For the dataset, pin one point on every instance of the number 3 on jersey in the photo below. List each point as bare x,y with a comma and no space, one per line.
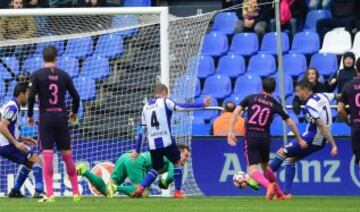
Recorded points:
54,93
154,120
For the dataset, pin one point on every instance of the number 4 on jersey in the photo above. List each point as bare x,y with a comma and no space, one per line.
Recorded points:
154,120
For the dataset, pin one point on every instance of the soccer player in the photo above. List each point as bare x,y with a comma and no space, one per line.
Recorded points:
261,109
351,96
51,85
155,118
135,170
318,113
17,148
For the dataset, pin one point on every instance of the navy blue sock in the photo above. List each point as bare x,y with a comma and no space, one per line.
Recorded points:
150,178
38,176
289,176
276,163
178,178
21,176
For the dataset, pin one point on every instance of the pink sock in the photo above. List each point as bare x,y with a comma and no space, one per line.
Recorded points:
269,174
259,178
71,171
48,172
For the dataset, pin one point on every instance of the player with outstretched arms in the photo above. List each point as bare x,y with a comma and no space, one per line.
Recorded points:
51,84
351,96
318,113
261,109
17,148
155,119
135,170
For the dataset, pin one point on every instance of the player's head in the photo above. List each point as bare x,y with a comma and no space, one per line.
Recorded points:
50,54
16,4
312,75
21,92
229,107
304,89
160,90
358,66
268,85
185,153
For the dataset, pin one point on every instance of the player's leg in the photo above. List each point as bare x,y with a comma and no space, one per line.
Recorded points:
63,143
278,160
94,180
173,154
118,177
355,144
37,169
136,174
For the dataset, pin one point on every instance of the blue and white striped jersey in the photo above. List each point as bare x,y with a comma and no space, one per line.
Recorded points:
317,107
10,111
156,117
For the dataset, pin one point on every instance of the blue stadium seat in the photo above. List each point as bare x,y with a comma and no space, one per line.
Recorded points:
312,18
231,65
59,45
206,114
86,88
125,21
96,67
11,63
294,64
276,127
69,64
110,45
80,47
137,3
244,44
2,88
247,84
32,64
340,129
234,98
206,66
182,88
215,44
218,86
325,63
289,100
197,87
225,22
197,120
288,84
306,43
269,43
262,64
201,129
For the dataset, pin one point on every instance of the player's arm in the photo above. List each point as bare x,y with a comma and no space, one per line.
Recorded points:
31,99
75,98
4,130
185,107
141,135
231,135
326,133
341,106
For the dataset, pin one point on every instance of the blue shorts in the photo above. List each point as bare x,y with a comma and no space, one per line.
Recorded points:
293,148
171,152
13,154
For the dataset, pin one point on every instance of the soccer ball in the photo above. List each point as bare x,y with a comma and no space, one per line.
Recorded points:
240,179
104,171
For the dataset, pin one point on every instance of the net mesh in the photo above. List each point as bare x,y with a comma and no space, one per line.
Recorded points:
114,62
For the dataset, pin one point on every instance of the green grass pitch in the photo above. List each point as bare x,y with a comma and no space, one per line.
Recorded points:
222,204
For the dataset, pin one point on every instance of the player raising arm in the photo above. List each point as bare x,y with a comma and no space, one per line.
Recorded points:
51,85
16,148
318,113
135,170
155,119
351,96
261,109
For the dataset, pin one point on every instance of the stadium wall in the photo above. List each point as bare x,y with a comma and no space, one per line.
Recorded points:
214,163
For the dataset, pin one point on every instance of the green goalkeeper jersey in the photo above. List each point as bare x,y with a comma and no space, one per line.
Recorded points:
137,169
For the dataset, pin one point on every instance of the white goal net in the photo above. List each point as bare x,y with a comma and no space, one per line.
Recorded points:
114,60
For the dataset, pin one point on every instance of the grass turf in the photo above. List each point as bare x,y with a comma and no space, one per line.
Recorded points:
302,204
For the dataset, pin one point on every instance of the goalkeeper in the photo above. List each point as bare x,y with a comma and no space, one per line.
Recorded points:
135,170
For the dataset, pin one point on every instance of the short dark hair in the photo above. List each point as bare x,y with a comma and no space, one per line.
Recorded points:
269,85
20,88
182,147
229,106
158,88
305,84
358,65
50,54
